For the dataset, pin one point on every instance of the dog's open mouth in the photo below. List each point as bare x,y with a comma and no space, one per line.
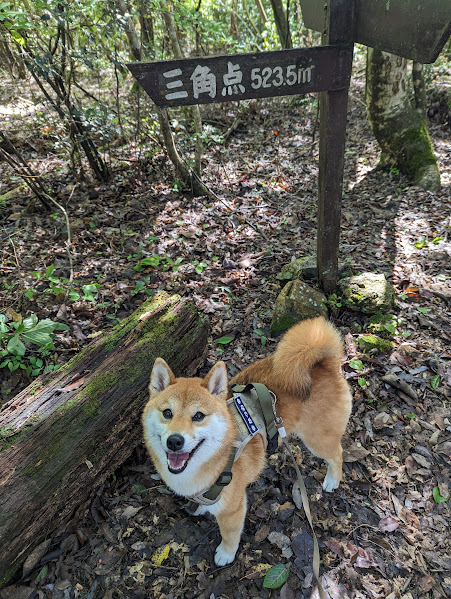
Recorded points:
177,462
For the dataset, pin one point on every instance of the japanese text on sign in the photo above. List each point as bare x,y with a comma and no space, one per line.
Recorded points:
204,81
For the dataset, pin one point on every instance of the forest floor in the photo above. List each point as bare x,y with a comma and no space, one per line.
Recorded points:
384,532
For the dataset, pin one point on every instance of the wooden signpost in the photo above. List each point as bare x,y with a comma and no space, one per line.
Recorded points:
325,69
243,76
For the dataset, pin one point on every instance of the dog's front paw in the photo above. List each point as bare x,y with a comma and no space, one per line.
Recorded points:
194,509
223,557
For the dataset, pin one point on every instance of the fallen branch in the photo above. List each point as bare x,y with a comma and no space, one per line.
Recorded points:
398,383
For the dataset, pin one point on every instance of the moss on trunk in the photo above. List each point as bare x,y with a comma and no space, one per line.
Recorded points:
398,127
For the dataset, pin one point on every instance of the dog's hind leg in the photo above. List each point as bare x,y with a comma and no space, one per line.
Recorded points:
331,452
333,474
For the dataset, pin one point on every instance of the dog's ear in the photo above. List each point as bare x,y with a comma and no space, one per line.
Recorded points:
216,381
161,377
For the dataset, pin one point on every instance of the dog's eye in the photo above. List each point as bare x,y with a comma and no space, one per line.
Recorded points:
167,414
198,417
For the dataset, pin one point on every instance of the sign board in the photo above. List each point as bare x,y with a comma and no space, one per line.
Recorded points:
416,29
242,76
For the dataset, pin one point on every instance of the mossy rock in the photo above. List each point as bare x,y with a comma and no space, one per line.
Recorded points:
380,325
369,342
301,268
368,292
297,301
379,330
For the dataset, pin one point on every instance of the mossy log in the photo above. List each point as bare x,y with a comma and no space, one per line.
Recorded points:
65,433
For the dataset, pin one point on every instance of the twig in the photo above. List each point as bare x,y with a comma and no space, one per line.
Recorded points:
17,261
21,166
68,241
236,123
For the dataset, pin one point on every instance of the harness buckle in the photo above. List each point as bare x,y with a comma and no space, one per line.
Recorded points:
226,474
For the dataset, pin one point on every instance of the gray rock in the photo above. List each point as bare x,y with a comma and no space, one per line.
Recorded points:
369,292
297,301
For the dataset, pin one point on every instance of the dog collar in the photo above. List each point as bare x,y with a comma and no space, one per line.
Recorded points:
252,407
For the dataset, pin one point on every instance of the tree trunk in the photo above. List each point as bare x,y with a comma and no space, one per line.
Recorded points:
133,40
283,27
398,127
63,435
182,172
195,110
261,10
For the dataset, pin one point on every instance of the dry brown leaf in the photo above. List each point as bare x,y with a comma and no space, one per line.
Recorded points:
35,557
72,386
419,459
388,524
15,317
382,420
257,571
426,583
262,533
355,453
334,545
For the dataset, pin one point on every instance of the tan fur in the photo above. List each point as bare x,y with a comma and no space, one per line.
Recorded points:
312,398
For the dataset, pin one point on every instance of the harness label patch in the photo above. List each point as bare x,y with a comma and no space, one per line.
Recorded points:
241,407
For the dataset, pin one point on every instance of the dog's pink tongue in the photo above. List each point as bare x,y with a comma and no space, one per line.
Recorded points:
176,460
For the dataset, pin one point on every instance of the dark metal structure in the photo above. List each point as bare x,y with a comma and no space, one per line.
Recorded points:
416,29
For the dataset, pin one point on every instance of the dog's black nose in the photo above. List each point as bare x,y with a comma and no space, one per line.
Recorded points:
175,442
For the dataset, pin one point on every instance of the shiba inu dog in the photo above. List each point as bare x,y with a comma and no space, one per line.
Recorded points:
190,432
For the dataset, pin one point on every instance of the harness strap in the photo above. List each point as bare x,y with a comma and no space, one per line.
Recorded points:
266,400
223,480
247,429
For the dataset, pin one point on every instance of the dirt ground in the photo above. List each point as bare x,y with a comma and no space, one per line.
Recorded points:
385,531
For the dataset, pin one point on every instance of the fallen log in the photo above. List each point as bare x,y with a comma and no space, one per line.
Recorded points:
66,432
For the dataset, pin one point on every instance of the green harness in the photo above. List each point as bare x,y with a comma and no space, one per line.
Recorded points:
252,407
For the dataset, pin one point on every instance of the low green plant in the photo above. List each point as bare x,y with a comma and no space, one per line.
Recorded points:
163,262
334,302
59,285
384,325
17,336
435,381
262,336
420,244
199,266
223,341
276,576
356,364
141,286
438,498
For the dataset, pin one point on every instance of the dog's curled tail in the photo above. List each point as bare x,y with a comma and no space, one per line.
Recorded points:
308,344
